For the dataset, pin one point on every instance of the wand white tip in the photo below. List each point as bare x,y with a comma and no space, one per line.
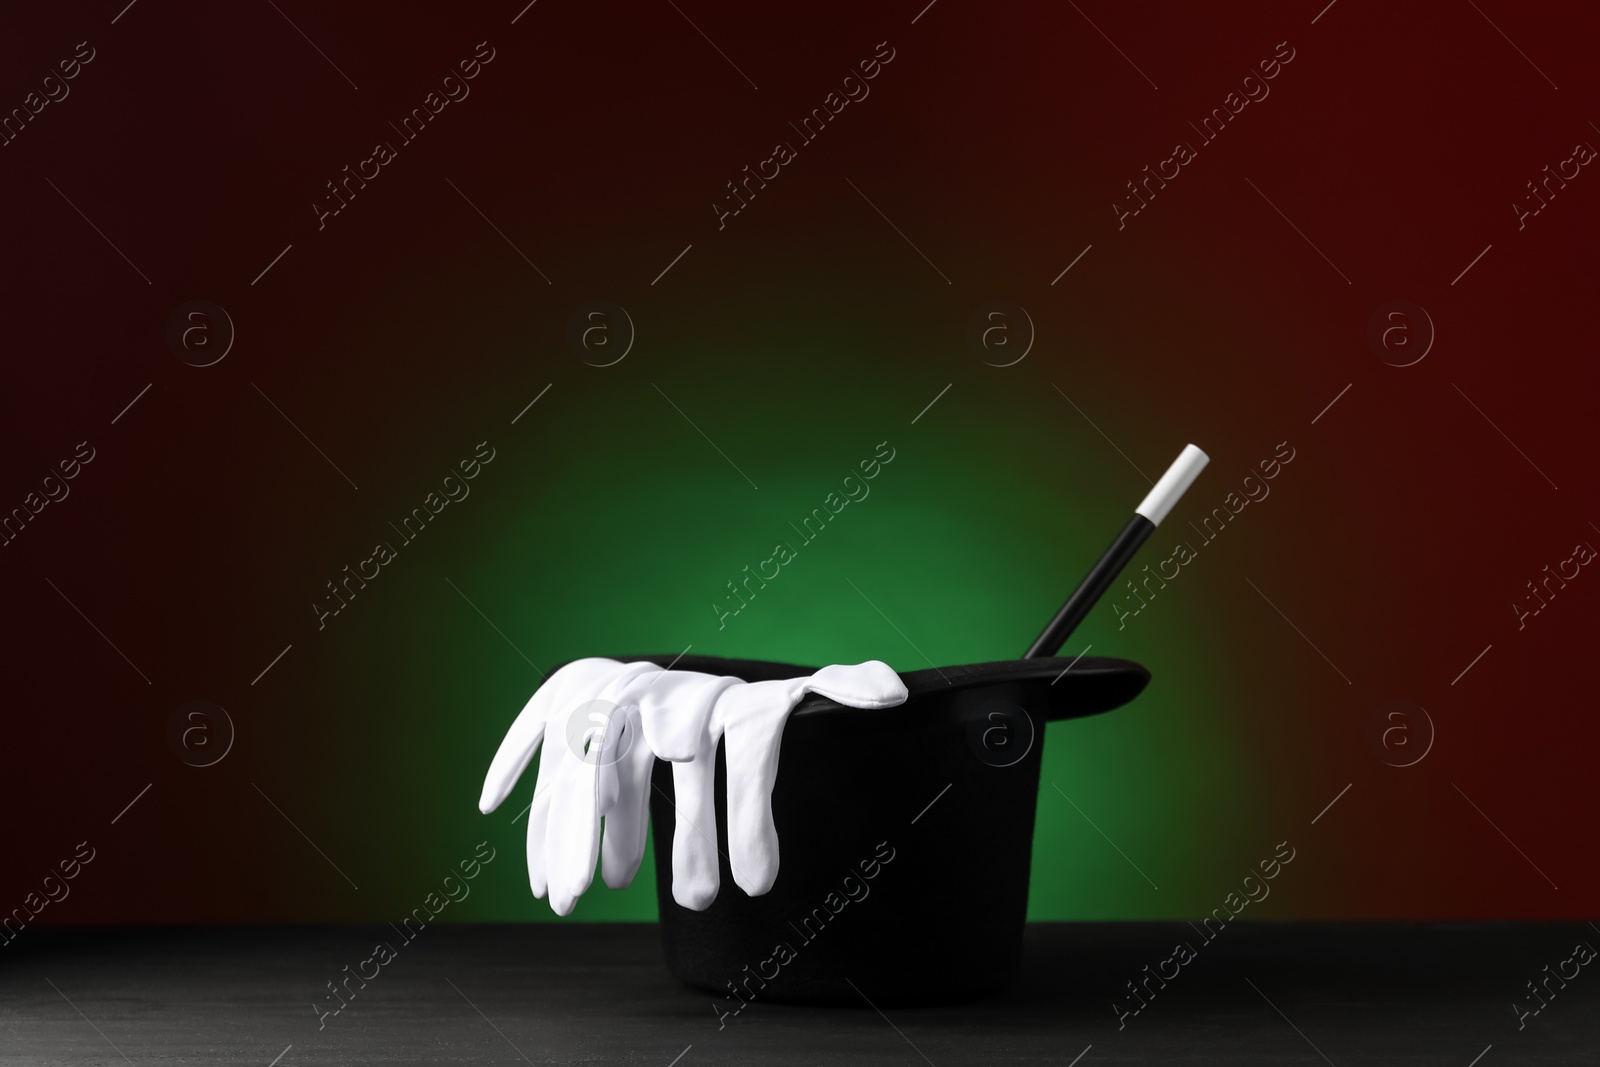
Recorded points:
1173,484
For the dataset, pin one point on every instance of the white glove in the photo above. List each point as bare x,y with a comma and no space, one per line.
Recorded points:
608,720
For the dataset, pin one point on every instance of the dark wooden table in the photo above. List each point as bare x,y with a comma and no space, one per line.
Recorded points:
567,994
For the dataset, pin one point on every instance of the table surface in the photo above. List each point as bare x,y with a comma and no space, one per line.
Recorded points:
1331,993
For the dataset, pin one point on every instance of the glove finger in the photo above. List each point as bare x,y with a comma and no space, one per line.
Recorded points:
572,842
550,760
538,823
872,684
627,822
694,838
753,717
606,738
516,751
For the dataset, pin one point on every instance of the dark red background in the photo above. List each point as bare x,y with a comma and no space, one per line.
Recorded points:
1397,141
